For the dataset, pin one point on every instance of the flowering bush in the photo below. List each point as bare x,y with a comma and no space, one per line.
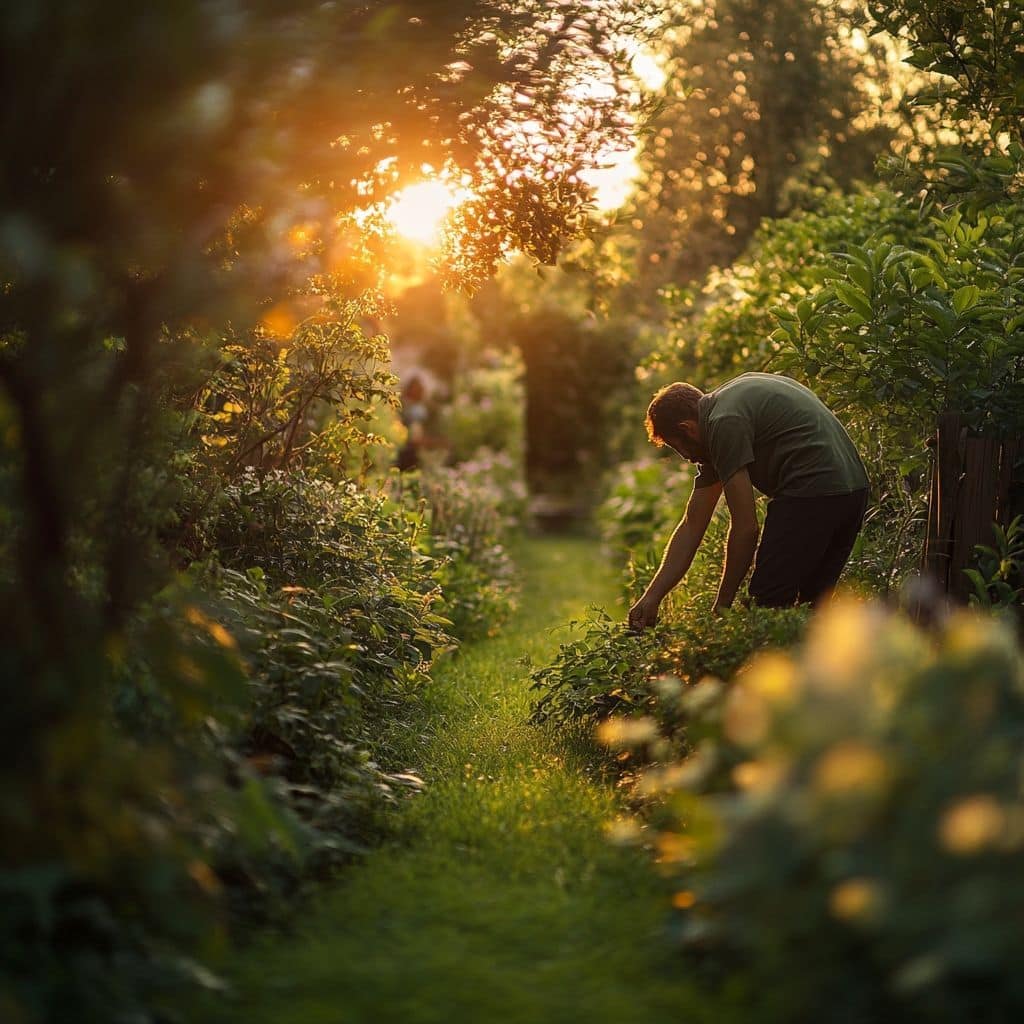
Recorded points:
851,821
467,514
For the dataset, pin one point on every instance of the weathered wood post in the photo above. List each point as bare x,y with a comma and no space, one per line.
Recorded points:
974,484
938,546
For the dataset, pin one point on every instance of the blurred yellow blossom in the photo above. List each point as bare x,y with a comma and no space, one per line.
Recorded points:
840,644
687,774
856,899
747,715
972,824
761,776
851,766
627,732
773,676
674,848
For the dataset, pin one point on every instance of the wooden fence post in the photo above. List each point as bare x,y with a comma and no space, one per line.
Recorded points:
975,510
972,487
946,472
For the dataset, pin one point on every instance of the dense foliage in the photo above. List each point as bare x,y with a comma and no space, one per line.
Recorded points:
469,513
610,669
645,499
216,627
848,828
209,634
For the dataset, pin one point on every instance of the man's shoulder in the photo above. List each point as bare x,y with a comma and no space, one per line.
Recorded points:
754,381
739,395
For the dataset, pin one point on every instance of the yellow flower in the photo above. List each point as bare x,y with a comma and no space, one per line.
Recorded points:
856,899
851,766
972,824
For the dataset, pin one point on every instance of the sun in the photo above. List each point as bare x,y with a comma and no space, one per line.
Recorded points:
417,213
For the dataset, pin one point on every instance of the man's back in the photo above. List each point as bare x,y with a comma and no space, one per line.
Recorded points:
790,442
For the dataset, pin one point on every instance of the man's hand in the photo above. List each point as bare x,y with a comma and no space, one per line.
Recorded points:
644,613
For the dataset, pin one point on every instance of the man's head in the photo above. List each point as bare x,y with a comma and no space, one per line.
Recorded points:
672,420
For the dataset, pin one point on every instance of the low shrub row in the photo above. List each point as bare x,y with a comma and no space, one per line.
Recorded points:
609,669
261,717
467,515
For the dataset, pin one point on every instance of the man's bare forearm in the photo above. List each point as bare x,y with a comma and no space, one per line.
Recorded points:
676,560
739,553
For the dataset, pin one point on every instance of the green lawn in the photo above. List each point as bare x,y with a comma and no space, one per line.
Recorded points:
501,900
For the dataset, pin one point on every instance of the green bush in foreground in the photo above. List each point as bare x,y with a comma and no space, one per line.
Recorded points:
851,827
611,669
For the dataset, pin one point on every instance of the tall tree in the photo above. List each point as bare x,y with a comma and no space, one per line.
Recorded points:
758,95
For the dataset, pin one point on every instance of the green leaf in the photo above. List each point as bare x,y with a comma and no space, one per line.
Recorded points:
854,298
861,277
783,314
966,297
980,586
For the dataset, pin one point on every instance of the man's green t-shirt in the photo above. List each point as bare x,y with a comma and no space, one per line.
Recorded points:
792,445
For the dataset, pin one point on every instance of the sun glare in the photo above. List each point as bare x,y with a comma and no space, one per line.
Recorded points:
417,213
614,182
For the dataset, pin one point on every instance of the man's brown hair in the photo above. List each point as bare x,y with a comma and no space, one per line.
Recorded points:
669,407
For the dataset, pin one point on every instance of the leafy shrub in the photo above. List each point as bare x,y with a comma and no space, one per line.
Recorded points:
611,669
249,740
646,498
106,909
997,578
333,604
851,823
486,411
469,512
304,530
295,387
726,326
328,668
904,332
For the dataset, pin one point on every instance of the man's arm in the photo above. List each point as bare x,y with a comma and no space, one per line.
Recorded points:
678,554
743,533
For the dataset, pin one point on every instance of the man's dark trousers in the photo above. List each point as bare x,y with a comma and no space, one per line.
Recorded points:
804,546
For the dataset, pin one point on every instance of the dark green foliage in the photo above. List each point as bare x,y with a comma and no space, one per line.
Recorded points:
726,327
576,378
903,332
997,578
611,669
327,665
972,53
856,842
469,514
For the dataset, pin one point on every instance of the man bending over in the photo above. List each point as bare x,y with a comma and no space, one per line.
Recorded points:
766,431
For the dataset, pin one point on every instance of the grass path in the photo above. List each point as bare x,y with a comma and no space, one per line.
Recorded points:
500,901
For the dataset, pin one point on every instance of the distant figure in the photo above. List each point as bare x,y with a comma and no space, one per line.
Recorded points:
414,417
766,431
